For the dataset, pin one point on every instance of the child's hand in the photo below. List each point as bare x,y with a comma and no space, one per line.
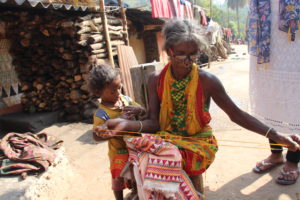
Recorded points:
131,111
102,133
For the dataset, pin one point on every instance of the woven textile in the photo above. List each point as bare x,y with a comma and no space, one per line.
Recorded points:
158,172
275,92
9,82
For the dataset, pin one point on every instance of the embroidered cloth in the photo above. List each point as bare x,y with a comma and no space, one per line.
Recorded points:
157,166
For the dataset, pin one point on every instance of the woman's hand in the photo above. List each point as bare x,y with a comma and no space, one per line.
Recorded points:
292,141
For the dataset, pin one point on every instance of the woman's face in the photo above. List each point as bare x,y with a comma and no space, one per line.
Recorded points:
182,56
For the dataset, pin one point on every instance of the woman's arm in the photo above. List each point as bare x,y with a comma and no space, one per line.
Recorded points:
215,89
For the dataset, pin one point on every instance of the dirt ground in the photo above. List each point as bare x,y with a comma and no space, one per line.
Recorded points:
229,177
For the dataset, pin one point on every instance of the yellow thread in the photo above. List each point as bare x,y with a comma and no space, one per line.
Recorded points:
193,138
299,29
289,35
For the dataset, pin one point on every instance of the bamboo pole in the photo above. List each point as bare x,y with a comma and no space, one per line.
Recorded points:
106,33
124,22
210,8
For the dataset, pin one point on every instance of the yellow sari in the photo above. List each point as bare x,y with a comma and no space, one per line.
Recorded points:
184,119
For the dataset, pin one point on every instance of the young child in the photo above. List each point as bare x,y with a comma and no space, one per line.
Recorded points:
105,82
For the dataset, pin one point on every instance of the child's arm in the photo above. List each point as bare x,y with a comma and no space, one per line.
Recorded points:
99,125
100,135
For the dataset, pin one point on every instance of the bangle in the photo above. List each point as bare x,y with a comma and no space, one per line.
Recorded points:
141,126
268,132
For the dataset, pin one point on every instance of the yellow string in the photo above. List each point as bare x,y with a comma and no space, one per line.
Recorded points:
299,29
289,36
182,137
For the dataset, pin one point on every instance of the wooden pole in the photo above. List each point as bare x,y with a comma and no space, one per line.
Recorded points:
210,8
227,16
106,33
124,22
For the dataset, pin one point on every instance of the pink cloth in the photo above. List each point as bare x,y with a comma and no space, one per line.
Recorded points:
161,9
188,10
180,9
203,19
174,8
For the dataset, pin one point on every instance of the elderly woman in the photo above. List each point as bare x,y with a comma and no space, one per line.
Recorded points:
179,99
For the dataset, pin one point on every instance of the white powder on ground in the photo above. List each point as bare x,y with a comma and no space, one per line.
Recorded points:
54,183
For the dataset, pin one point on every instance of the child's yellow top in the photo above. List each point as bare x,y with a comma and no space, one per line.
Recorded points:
104,113
117,151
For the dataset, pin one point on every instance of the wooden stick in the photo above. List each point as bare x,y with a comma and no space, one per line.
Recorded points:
106,33
124,22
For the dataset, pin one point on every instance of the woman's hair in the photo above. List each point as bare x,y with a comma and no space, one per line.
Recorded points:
101,76
178,30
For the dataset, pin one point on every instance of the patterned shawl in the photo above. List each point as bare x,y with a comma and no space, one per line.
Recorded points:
157,169
259,25
289,14
259,30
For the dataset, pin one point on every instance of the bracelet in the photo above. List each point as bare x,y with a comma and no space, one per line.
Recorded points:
268,132
141,126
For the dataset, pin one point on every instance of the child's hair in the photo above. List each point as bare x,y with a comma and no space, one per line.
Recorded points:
101,76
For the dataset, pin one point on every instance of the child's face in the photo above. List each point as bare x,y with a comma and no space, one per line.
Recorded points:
113,91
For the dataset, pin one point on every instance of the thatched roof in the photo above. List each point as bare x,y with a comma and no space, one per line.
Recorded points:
142,17
75,5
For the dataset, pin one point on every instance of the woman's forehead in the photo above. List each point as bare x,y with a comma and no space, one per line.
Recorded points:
186,47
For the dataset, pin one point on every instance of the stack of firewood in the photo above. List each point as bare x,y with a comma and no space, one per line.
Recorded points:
91,34
53,52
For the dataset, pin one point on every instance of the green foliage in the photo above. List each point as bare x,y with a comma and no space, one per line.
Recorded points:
233,4
234,27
